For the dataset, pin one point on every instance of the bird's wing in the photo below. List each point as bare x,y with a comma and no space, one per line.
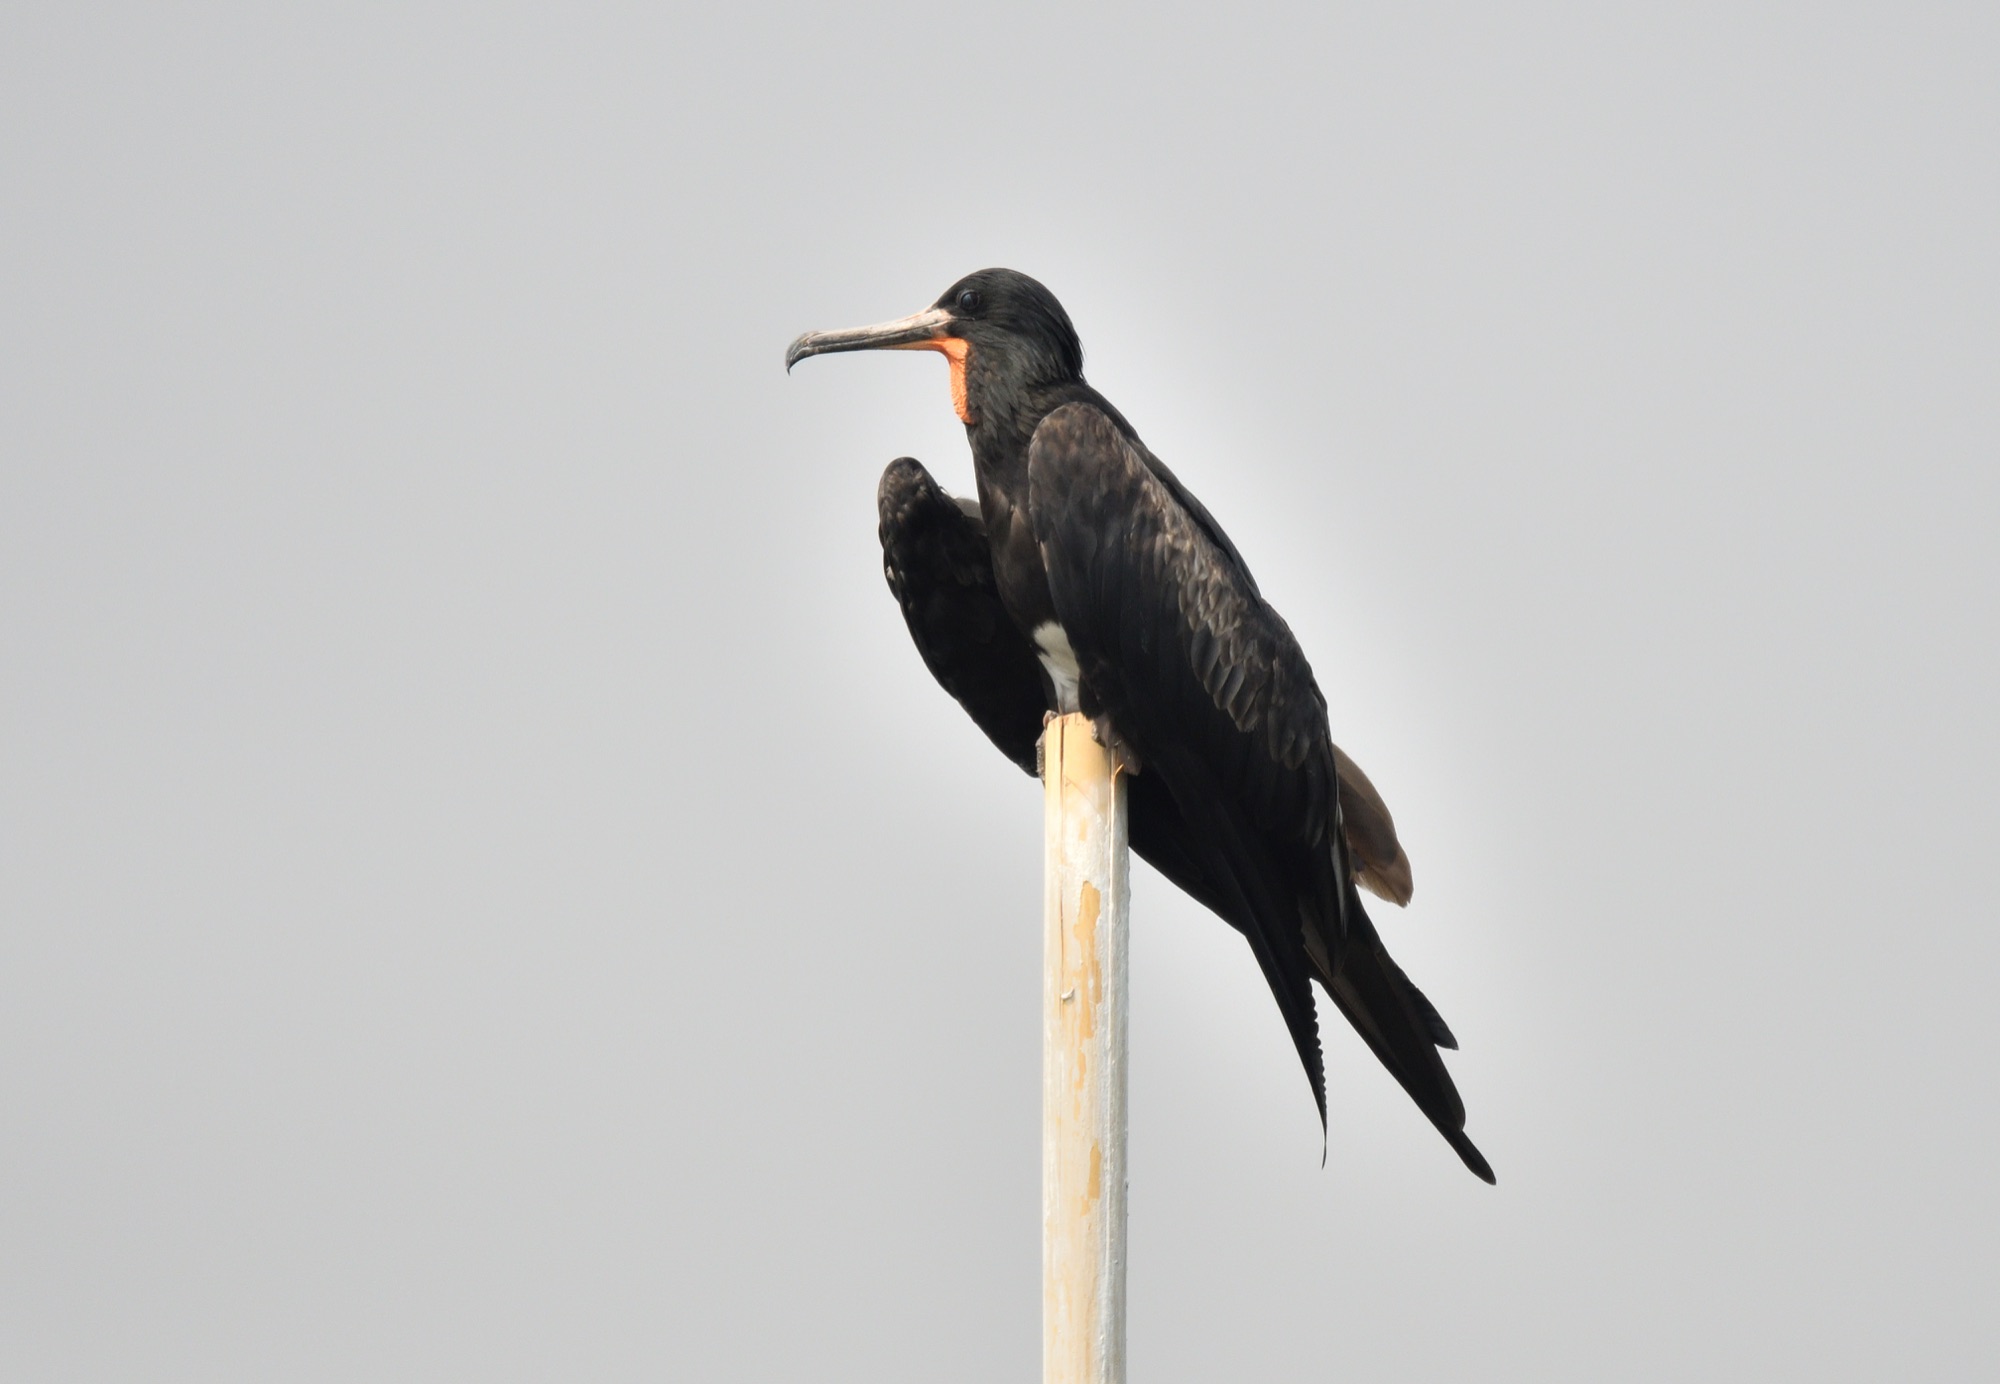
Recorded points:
937,560
939,566
1377,858
1207,684
1183,638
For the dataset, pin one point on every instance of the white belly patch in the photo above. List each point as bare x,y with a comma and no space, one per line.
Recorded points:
1060,661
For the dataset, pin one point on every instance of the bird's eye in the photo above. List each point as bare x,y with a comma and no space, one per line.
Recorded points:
969,300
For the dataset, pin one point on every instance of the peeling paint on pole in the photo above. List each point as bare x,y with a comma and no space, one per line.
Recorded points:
1083,1059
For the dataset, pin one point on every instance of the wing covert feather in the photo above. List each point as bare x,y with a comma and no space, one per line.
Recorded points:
1179,641
1206,684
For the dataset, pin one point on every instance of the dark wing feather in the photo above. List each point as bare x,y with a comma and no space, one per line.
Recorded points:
1272,823
1207,685
940,568
1176,645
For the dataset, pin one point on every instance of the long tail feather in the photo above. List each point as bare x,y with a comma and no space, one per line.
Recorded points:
1403,1029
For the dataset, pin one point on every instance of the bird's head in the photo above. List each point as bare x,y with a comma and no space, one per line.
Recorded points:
1003,333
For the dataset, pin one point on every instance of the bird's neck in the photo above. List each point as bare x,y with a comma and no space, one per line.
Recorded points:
1005,415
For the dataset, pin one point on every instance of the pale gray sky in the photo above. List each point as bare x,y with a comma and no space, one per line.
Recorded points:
487,891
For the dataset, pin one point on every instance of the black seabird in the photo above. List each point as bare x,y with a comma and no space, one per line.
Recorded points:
1086,578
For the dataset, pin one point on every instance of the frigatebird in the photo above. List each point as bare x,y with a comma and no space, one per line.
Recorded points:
1086,577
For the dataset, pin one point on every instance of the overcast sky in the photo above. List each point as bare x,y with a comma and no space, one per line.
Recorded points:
488,892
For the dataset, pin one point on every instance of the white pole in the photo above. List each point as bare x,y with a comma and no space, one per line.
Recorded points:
1084,986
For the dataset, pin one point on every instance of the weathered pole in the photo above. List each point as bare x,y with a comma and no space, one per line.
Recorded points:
1084,982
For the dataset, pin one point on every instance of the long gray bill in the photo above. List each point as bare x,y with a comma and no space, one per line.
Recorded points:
904,332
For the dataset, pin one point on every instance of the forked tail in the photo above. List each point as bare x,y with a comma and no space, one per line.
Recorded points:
1404,1029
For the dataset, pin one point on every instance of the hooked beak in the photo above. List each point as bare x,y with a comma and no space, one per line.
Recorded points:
916,332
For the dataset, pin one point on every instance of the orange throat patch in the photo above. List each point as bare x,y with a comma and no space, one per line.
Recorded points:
954,349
